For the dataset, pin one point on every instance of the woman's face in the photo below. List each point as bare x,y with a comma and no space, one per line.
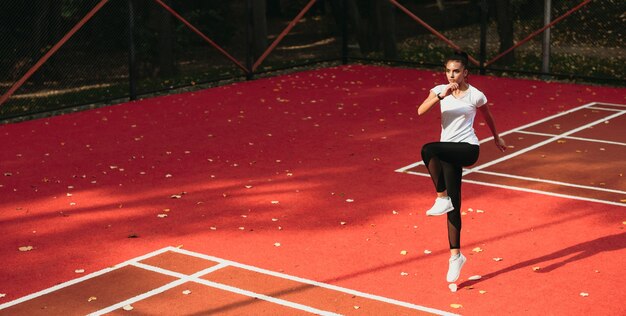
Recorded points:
455,72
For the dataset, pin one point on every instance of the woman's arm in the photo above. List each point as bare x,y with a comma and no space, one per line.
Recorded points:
430,101
484,110
432,98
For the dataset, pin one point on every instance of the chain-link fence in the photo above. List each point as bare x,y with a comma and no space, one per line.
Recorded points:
130,48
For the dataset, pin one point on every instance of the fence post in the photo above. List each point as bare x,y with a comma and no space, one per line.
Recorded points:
344,32
132,61
249,41
545,44
484,19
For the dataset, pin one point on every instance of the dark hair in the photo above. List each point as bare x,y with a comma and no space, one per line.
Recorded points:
459,56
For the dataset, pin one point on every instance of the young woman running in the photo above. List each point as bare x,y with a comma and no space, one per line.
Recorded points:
457,148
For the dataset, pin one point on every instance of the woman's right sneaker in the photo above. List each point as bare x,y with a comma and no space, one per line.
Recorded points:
442,206
455,264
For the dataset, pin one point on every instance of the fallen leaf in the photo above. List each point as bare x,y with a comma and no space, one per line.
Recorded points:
453,287
127,308
356,307
79,271
474,277
427,251
477,249
403,252
394,212
277,244
91,299
349,200
2,295
584,294
162,215
186,292
275,202
482,291
497,259
456,305
343,223
403,274
26,248
536,268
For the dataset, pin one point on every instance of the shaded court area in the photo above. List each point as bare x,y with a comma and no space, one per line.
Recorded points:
296,174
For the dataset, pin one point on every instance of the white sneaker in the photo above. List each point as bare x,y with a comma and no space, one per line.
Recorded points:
454,267
442,205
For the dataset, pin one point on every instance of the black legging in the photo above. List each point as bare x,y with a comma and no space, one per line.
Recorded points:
445,162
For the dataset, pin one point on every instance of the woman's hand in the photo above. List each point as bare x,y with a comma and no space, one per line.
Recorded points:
500,143
449,89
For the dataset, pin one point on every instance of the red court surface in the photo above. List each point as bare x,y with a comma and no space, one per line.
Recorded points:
295,176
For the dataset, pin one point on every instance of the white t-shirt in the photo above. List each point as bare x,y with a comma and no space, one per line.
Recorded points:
457,115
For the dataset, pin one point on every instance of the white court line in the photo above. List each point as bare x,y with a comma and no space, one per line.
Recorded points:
611,104
183,278
575,138
315,283
584,106
81,279
565,184
502,186
542,143
603,109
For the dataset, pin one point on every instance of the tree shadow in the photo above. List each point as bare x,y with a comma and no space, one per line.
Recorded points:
580,251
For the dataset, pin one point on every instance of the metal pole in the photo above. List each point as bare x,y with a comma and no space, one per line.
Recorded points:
344,32
249,41
545,44
132,63
484,18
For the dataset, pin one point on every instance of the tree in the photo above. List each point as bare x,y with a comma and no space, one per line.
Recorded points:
504,21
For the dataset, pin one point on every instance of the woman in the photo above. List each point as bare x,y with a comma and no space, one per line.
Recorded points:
457,148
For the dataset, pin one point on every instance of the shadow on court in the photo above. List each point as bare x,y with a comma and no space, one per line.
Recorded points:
580,251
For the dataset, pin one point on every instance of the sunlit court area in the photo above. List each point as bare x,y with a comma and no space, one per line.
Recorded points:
166,157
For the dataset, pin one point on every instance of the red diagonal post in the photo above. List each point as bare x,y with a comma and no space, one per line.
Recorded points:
52,51
283,34
431,29
539,31
204,37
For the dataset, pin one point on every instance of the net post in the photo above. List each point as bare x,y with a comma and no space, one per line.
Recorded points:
545,43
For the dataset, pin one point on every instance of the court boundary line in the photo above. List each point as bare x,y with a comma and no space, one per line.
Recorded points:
552,138
565,184
315,283
221,263
591,140
511,131
81,279
509,187
184,278
544,142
